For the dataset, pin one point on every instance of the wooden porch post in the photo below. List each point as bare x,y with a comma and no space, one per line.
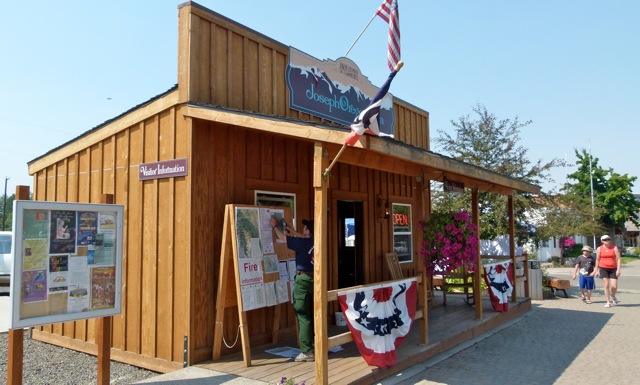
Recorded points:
427,280
320,305
477,275
103,331
512,247
16,336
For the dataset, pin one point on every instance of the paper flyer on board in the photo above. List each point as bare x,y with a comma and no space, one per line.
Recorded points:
34,286
62,232
58,273
248,233
270,263
79,282
283,271
266,228
34,254
253,297
103,280
282,291
270,293
104,249
87,227
291,265
107,222
36,223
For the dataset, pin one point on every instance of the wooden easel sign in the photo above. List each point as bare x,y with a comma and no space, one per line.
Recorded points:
254,265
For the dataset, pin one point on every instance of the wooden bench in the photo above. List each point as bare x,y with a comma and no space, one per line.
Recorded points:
556,284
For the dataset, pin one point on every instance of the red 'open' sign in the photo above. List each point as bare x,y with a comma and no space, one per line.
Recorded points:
400,219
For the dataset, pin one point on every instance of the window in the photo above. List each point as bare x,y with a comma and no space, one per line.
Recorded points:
5,243
277,199
402,232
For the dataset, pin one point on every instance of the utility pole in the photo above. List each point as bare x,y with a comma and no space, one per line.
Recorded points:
4,206
592,204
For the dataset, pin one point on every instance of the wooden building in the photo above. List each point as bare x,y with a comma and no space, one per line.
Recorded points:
229,117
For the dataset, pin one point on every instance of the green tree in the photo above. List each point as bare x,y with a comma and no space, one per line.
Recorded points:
8,216
566,215
611,191
493,144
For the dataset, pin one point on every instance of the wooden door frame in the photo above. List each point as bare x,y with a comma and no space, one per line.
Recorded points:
334,197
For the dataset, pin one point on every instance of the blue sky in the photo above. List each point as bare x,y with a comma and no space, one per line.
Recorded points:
572,67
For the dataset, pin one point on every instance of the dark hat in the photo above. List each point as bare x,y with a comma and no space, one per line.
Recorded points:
309,224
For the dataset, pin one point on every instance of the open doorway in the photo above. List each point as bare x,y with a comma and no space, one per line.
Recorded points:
350,243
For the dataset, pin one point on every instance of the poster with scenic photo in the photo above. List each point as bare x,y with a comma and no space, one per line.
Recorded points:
248,233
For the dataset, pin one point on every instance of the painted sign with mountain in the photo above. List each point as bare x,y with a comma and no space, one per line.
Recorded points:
333,90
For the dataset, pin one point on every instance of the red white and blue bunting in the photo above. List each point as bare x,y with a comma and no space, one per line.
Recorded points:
498,279
380,318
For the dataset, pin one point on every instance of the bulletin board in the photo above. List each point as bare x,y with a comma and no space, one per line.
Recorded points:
67,262
256,267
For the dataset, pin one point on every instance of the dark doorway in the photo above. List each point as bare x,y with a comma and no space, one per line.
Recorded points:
350,243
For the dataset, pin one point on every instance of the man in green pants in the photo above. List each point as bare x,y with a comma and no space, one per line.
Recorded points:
302,244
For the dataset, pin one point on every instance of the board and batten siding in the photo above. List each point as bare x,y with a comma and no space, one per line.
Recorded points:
229,164
225,64
156,256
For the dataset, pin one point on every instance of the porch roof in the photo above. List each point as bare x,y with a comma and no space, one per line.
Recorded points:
383,153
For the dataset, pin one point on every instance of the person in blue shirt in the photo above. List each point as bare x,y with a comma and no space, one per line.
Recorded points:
302,245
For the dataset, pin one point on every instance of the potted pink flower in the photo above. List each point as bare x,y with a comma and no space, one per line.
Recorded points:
450,241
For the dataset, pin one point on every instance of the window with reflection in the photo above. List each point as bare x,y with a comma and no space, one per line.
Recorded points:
402,232
277,199
349,232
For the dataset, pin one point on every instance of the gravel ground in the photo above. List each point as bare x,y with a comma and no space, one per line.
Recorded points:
49,364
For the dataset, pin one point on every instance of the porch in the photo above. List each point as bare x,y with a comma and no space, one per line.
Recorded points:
449,326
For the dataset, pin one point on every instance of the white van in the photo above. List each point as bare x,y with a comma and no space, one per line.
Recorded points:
6,257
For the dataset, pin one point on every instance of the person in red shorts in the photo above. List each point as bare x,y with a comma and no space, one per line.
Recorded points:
608,266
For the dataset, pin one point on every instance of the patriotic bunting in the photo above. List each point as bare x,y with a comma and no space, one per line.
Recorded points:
498,279
380,318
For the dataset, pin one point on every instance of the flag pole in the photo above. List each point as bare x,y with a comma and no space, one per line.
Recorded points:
327,172
359,36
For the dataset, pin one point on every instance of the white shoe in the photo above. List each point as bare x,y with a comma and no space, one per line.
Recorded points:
305,357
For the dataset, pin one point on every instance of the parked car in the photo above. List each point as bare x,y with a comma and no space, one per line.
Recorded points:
6,258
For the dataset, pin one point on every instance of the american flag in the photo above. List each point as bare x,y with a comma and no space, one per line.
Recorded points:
388,11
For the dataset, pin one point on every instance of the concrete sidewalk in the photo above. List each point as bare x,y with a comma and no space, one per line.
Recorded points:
197,376
560,341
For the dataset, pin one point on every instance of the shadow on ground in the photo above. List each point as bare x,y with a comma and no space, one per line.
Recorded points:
541,346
